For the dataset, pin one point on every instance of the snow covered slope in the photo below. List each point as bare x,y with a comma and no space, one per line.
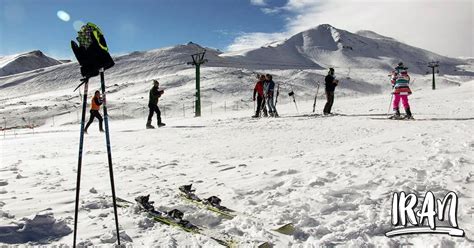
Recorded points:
18,63
333,177
362,65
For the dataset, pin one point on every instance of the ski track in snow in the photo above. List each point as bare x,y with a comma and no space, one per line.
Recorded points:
332,177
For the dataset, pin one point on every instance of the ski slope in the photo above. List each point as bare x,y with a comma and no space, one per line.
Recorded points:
331,176
362,62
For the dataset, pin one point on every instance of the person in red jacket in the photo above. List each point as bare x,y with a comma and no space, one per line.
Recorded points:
95,106
260,98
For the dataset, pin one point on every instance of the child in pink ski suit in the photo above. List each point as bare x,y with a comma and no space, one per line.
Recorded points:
400,84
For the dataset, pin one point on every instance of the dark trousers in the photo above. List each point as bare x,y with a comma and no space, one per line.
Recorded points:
94,114
260,105
154,109
329,102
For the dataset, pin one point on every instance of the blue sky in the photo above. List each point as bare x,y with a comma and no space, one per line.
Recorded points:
444,27
131,25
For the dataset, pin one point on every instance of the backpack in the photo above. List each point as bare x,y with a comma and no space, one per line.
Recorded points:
92,52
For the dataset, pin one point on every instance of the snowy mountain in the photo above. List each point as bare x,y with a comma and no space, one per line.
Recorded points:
326,46
297,64
25,62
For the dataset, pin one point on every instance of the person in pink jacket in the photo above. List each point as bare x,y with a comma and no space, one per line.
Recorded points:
401,90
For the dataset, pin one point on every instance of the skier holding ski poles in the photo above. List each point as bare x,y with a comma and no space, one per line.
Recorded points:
155,94
401,90
331,83
269,88
260,98
95,106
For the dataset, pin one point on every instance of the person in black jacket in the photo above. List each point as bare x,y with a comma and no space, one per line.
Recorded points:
155,93
331,83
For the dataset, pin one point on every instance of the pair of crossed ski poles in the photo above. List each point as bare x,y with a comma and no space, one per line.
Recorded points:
85,82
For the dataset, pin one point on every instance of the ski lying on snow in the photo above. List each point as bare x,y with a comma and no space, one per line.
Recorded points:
395,119
212,203
175,219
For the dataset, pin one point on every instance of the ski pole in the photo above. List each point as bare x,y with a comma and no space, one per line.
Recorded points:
296,105
390,104
109,152
253,106
79,163
292,94
278,93
315,98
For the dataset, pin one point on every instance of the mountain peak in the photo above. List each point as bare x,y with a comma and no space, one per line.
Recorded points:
372,35
35,53
323,26
23,62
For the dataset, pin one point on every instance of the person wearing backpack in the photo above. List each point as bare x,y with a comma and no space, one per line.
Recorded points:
155,93
95,107
331,83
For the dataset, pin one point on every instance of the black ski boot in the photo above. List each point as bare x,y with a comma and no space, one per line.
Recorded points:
214,201
176,214
257,115
396,115
408,116
161,124
187,188
145,202
148,125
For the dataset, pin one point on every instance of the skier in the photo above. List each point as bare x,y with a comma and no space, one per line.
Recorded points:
269,88
331,83
260,98
401,89
155,93
95,106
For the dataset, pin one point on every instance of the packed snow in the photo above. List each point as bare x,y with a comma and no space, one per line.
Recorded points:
332,177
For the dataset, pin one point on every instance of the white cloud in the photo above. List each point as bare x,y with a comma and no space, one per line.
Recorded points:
252,40
271,11
440,26
258,2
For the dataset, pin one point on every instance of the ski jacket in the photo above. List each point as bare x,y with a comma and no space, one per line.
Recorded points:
401,81
330,85
269,88
258,89
95,103
155,93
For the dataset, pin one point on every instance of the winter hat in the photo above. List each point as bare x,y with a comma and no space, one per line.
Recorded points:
331,71
401,66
